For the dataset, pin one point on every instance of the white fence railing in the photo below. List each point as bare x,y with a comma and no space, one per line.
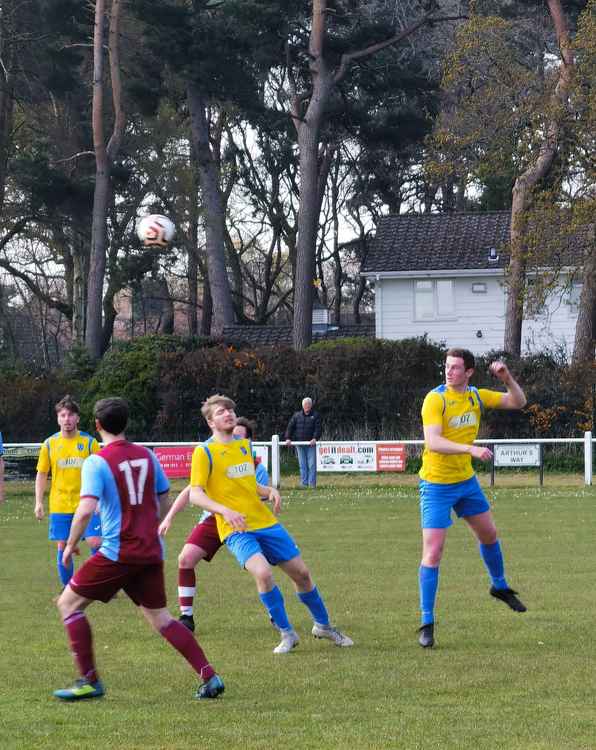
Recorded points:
31,450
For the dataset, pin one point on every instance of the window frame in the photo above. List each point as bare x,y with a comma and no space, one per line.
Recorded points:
435,299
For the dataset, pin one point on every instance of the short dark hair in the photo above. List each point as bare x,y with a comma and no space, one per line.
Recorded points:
67,402
465,354
248,425
112,414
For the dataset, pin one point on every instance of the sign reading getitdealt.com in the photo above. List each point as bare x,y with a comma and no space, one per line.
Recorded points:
360,457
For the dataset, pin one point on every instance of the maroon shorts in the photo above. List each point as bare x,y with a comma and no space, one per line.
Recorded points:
100,579
205,536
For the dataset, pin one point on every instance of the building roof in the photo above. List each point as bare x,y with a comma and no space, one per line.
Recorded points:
425,242
282,335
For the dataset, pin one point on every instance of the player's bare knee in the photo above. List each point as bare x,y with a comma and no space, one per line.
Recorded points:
185,560
303,580
65,608
264,579
431,556
157,618
489,536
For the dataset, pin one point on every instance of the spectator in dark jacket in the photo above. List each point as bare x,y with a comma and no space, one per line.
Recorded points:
305,426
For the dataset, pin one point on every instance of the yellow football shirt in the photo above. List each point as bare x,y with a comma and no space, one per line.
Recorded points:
459,416
63,458
226,471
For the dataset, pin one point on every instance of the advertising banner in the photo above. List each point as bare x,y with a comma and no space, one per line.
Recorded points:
391,457
175,460
346,457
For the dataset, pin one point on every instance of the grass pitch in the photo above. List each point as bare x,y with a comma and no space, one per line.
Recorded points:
496,679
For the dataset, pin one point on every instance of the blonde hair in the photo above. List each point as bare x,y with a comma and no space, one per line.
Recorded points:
213,401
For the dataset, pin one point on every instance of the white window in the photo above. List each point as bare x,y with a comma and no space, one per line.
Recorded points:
434,299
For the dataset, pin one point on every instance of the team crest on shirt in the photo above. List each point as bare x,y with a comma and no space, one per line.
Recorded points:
240,470
468,419
244,451
80,447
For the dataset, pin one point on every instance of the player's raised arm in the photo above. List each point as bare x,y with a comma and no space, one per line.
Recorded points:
515,398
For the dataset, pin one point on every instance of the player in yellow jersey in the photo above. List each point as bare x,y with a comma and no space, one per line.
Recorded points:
223,482
62,456
451,419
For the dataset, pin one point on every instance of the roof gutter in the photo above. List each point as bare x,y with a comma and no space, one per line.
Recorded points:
425,274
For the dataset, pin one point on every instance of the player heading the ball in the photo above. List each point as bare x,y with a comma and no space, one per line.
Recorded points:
451,419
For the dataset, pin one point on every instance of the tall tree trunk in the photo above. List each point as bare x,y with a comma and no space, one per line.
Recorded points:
192,275
79,288
308,122
308,129
104,156
7,34
585,334
207,315
526,183
223,310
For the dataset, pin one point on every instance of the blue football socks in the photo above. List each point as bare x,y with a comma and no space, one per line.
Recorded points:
493,559
273,602
65,574
314,602
428,579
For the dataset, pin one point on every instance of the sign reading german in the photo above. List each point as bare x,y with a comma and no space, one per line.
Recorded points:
175,460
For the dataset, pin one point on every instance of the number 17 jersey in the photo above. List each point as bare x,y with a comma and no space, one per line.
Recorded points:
126,479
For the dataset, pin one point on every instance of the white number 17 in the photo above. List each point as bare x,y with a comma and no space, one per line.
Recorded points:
135,494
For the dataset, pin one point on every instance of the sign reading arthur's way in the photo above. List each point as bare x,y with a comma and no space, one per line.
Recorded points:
517,454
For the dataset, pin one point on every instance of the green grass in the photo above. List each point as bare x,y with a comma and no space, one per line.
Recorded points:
497,680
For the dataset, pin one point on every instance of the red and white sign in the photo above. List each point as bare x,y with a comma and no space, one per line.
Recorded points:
391,457
175,460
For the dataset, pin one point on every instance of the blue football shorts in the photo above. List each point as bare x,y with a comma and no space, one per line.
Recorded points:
274,543
60,524
436,501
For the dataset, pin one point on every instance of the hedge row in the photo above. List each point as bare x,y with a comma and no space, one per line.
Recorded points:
362,388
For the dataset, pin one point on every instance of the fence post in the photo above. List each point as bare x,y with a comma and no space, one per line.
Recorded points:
587,458
275,474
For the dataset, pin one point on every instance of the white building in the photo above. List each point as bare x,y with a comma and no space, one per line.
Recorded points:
444,275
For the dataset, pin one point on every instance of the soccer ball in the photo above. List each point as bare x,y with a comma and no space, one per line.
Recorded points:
155,229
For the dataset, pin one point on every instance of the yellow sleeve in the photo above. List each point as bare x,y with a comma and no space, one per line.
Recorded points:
490,399
95,446
200,467
432,409
43,462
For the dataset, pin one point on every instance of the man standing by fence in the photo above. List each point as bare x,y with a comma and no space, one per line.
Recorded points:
451,419
305,426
